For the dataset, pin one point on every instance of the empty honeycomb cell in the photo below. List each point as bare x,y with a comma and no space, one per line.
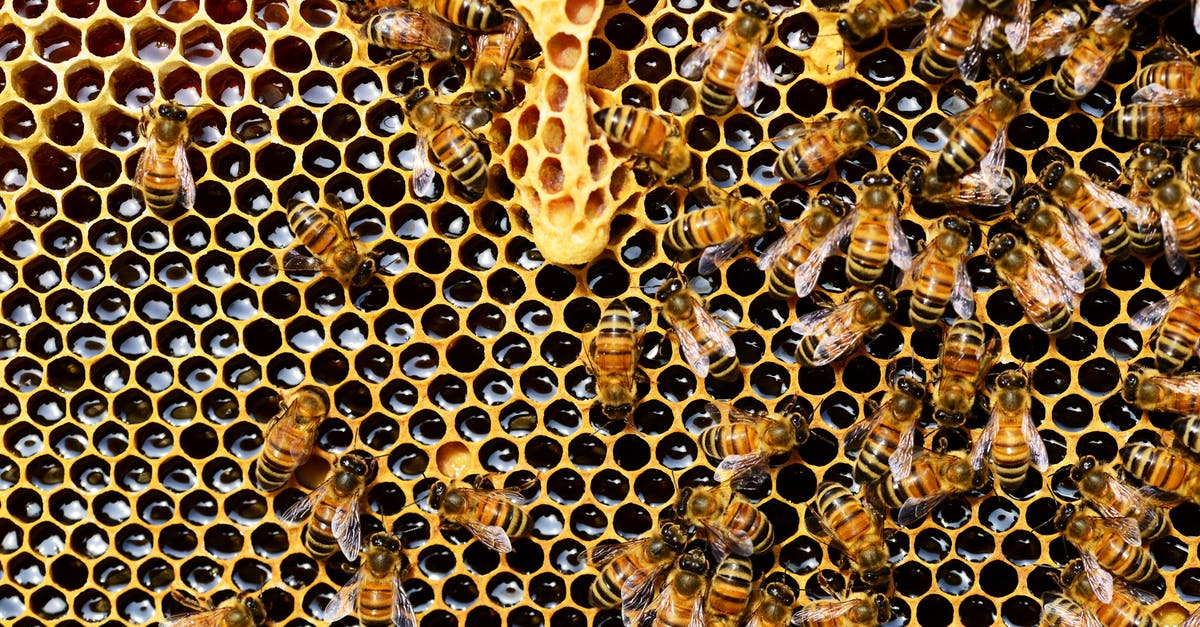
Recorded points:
132,85
247,47
35,83
291,54
271,89
152,41
58,42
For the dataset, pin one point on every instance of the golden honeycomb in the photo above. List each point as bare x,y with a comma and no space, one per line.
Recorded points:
142,356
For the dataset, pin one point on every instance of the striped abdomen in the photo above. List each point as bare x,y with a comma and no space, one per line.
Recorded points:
729,590
1157,467
810,157
458,153
636,129
1124,560
1177,338
1151,122
741,515
782,281
318,537
877,450
1010,453
699,229
472,14
375,600
739,438
844,514
500,513
400,29
720,365
1124,610
867,254
313,228
282,453
1187,229
921,482
967,144
1085,66
1108,223
946,44
931,292
720,77
614,347
160,185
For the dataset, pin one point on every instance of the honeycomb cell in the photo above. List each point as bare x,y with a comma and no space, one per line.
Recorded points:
247,47
58,42
35,83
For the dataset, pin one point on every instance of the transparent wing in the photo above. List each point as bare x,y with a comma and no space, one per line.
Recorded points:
346,600
823,612
1037,448
1126,528
712,329
898,248
1017,29
1067,612
345,526
736,465
697,612
143,166
840,338
1101,580
1109,197
695,62
857,433
715,256
1077,233
301,509
796,132
1136,596
491,536
725,540
187,185
963,296
971,62
915,510
983,446
1067,270
1193,619
754,71
490,495
209,618
422,174
1151,315
693,354
814,322
637,592
403,614
900,463
296,261
1182,384
794,236
805,278
734,413
605,553
950,8
1042,289
1175,259
1155,94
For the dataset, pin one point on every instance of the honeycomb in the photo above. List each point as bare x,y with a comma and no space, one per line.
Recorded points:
144,356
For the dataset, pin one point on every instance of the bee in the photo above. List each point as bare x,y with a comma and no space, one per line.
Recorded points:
681,602
629,572
772,606
1145,234
748,439
469,14
290,436
1102,209
856,531
965,358
1112,498
335,250
1178,322
934,478
1179,212
444,129
1128,607
1064,239
243,611
1163,469
991,185
1175,81
492,516
1047,301
494,70
1156,115
1187,432
939,275
730,523
729,592
706,347
419,35
1088,62
733,61
1062,611
886,440
795,260
1178,394
948,43
870,17
1054,33
875,233
376,592
163,175
819,146
831,332
657,142
859,611
1010,437
980,131
1108,547
721,230
613,357
334,507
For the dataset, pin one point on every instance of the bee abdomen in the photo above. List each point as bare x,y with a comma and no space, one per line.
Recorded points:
319,542
375,605
729,592
717,88
472,14
964,149
160,189
868,254
807,158
1175,345
725,440
873,459
931,295
722,366
459,154
271,475
697,230
313,229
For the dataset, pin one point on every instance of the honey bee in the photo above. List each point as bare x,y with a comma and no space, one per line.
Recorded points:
335,250
1064,239
1010,437
820,145
795,260
729,590
1178,394
1088,62
1168,82
948,43
729,522
733,61
938,276
1179,212
681,602
492,516
856,531
334,507
875,233
376,592
1128,607
870,17
415,34
1107,546
1156,115
470,14
980,131
831,332
1054,33
990,185
494,70
1102,209
444,129
933,479
630,571
748,439
243,611
1163,469
1178,322
965,359
613,357
1114,499
721,230
657,142
1047,301
163,175
1062,611
706,347
289,437
886,439
1187,433
858,611
1145,234
772,606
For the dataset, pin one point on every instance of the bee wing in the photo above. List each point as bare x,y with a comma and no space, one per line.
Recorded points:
1136,595
605,553
857,433
797,132
716,255
143,166
736,465
1043,287
300,510
403,614
1193,619
1068,613
1183,384
1037,447
900,463
898,249
1017,29
814,321
754,71
1160,95
1109,197
695,62
711,328
916,509
1125,527
950,8
695,356
296,261
636,593
207,618
983,446
794,235
1064,267
422,173
1100,580
345,526
737,414
698,611
823,612
808,271
491,536
963,296
1078,234
725,540
838,329
346,599
1175,259
971,62
187,185
1151,315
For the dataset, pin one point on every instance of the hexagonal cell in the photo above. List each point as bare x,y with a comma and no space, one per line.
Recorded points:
152,41
58,42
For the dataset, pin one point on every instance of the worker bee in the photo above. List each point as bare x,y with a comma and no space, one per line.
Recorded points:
938,276
950,43
748,439
1054,33
980,130
965,359
729,590
870,17
990,185
1107,546
729,522
1179,212
772,606
721,230
1178,322
494,70
1145,234
1047,301
831,332
858,611
886,439
334,507
1179,394
795,260
415,34
469,14
934,478
681,602
376,592
444,129
856,531
1062,611
335,250
613,357
1088,62
1102,209
1168,82
1163,469
290,436
1112,498
875,233
733,62
819,146
1128,607
706,346
1064,240
243,611
1010,437
163,175
1156,115
492,516
629,572
657,142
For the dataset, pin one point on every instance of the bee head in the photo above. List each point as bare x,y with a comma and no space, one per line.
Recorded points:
1161,176
948,419
956,224
616,412
1053,174
668,287
1027,208
257,612
417,97
833,204
685,498
869,120
885,298
1154,150
1000,245
674,536
799,422
437,493
770,213
694,562
1064,515
914,180
1133,380
756,10
365,270
1071,572
488,98
359,463
877,578
780,592
1011,89
463,51
1082,468
911,387
877,179
172,111
883,609
1011,379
